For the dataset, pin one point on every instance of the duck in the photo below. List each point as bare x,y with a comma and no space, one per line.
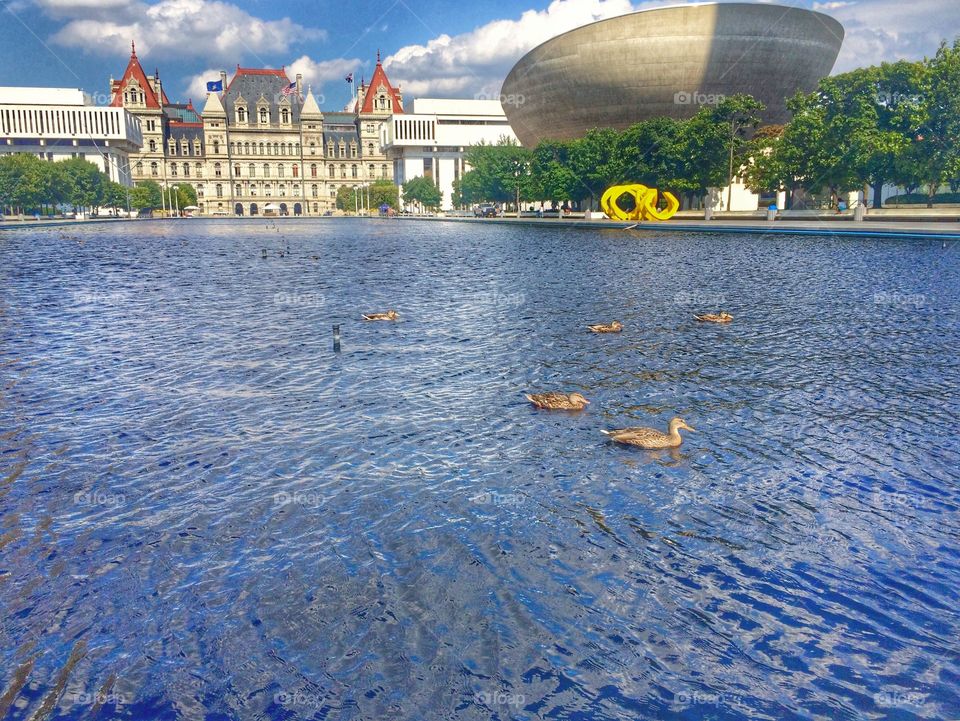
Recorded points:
614,327
389,315
650,437
721,317
556,401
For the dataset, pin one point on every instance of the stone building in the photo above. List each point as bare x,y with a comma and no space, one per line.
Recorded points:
261,146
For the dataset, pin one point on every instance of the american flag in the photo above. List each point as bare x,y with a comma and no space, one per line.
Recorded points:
290,89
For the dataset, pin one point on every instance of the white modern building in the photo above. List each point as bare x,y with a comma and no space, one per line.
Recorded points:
429,139
61,123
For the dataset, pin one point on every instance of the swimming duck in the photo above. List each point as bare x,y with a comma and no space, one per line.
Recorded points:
556,401
389,315
721,317
650,437
614,327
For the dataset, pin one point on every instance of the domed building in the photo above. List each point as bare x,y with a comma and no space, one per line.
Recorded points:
668,62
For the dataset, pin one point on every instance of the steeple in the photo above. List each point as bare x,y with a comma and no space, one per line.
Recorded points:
380,97
310,109
134,75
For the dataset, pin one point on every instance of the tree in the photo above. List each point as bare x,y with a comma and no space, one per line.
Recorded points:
384,192
86,183
115,195
24,181
146,194
347,198
595,164
740,114
499,172
422,190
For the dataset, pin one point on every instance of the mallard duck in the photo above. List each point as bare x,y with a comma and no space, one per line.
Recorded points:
650,437
614,327
556,401
721,317
389,315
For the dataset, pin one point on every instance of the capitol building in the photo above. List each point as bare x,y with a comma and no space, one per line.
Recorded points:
261,142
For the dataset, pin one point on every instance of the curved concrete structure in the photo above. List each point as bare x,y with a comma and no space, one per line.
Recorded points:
667,62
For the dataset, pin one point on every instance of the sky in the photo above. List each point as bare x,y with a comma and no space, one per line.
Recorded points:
431,48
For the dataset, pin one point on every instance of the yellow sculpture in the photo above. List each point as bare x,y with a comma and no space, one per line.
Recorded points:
645,206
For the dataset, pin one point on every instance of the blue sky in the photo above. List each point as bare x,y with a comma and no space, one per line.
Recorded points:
431,47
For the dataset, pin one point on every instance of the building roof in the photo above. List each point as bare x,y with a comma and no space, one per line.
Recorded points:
44,96
253,84
380,80
134,70
182,113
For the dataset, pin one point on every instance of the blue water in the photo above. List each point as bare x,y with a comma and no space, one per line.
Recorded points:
207,514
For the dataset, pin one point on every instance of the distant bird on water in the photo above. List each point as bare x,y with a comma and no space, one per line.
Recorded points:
721,317
614,327
650,437
389,315
556,401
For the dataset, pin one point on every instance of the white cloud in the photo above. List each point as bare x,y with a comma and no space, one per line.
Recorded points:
197,87
177,28
836,5
890,30
478,61
320,73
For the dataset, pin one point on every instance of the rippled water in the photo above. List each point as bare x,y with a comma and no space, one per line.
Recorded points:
207,514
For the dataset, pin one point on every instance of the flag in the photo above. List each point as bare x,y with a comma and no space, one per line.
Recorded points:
349,78
215,86
290,89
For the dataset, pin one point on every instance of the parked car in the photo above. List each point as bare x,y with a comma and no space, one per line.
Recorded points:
487,210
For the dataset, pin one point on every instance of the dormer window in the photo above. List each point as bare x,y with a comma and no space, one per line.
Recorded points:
263,116
241,115
285,116
153,146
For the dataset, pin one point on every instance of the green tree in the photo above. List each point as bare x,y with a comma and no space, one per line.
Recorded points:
595,164
86,183
115,195
500,172
146,194
422,190
25,181
384,192
347,198
739,114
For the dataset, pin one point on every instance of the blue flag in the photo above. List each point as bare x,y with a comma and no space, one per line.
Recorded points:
215,87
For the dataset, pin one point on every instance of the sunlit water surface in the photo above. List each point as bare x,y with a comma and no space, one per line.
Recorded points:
207,514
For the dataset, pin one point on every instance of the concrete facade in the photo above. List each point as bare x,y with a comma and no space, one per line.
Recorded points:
432,138
668,62
62,123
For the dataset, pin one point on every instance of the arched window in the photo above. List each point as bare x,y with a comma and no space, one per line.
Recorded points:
279,171
371,171
330,171
236,171
285,115
290,148
353,170
296,170
276,148
313,170
216,169
269,149
369,148
261,149
263,116
241,115
283,149
216,147
314,191
233,148
252,170
298,148
266,170
186,169
153,146
198,168
313,148
219,190
383,171
153,169
238,189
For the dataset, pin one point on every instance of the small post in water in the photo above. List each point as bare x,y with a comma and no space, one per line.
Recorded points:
336,337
